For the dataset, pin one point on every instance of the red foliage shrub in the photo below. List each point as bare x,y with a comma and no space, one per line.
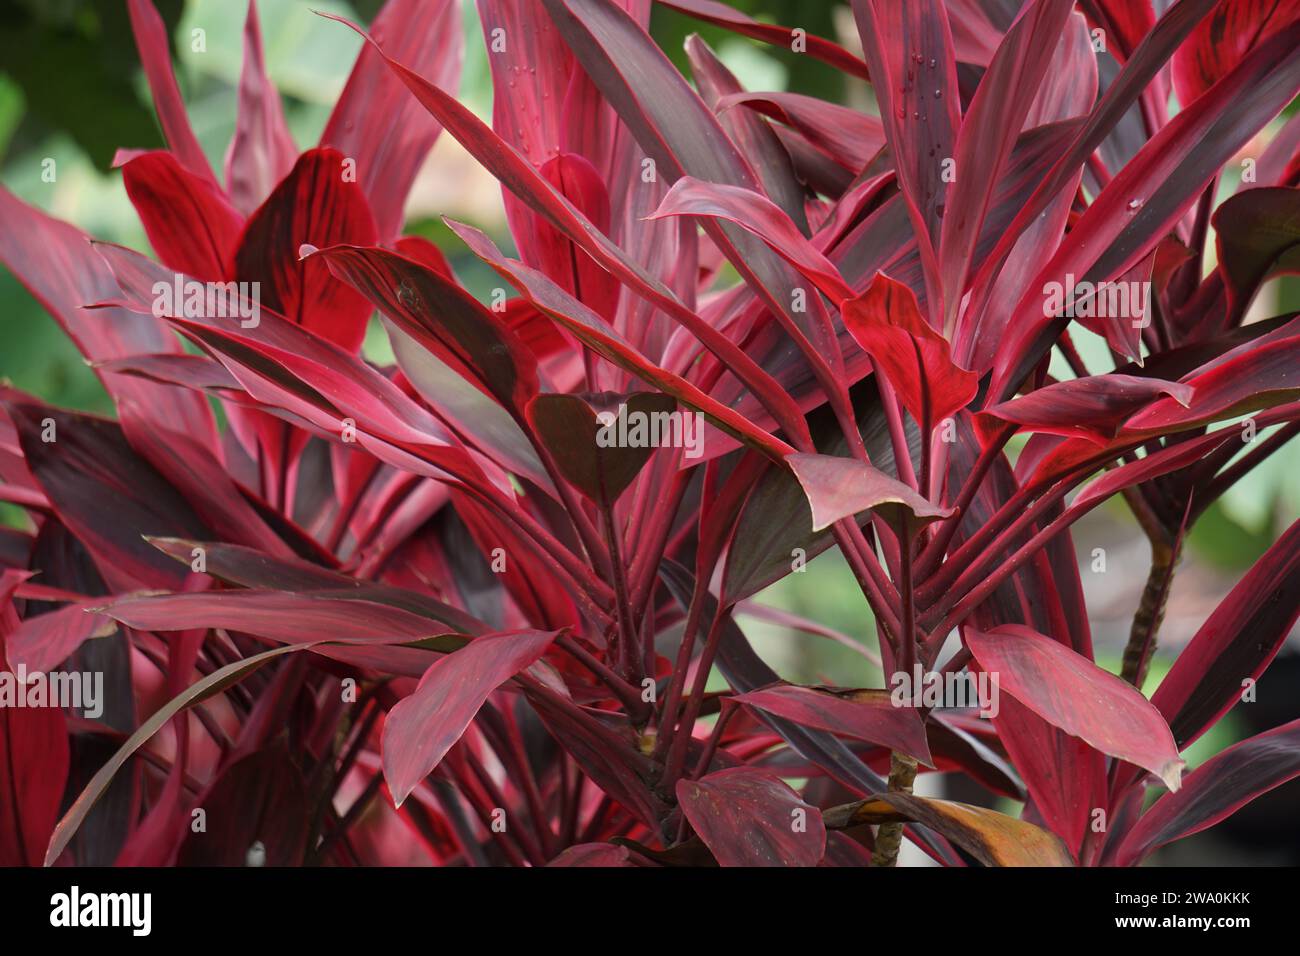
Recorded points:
475,597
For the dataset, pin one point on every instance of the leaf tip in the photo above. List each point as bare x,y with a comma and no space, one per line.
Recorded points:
1172,774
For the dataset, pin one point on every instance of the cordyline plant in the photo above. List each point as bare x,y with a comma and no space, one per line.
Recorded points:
476,598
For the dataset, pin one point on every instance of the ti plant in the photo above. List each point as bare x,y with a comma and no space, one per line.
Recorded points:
476,598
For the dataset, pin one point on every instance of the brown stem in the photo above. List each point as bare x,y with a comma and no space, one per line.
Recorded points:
902,773
1151,611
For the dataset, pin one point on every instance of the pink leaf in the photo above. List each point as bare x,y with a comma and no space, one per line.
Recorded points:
375,122
863,715
1070,692
424,726
839,487
261,152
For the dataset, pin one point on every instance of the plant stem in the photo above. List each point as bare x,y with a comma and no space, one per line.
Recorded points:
682,736
907,639
628,656
932,553
902,773
868,573
1151,611
711,748
676,686
628,695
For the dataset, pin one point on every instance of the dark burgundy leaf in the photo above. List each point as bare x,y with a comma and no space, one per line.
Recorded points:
749,817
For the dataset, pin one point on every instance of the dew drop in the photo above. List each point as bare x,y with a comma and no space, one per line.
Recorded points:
938,94
1135,204
933,63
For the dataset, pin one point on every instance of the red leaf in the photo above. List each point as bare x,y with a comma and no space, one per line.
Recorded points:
593,854
155,55
839,487
683,137
1069,88
1148,196
846,136
723,15
975,37
246,568
90,462
375,121
544,106
752,134
261,152
1263,375
1127,21
1065,777
576,180
989,132
33,755
288,617
762,217
33,772
423,727
596,335
466,406
914,357
532,188
1072,693
570,429
43,642
314,205
442,317
60,267
1093,407
189,222
1237,642
1127,86
1215,790
258,799
1258,233
203,481
1215,397
908,47
205,687
1223,39
534,328
862,715
749,817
